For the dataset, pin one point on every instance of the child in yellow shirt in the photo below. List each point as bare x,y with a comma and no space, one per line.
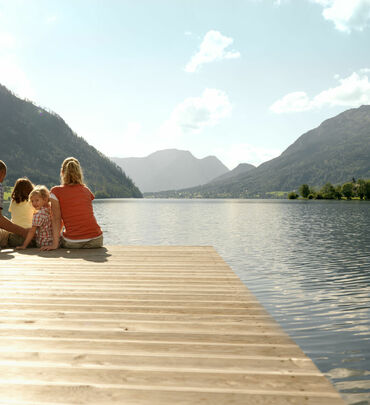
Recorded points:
21,211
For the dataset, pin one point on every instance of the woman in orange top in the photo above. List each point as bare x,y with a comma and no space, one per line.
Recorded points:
71,203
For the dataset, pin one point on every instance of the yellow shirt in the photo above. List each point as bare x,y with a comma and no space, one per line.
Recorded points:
22,213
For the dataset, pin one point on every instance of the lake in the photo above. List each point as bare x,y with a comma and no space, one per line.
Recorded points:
306,261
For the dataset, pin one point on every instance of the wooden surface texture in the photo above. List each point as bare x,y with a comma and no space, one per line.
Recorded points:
143,326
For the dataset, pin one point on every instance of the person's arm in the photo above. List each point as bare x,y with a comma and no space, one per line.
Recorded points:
56,224
10,227
29,237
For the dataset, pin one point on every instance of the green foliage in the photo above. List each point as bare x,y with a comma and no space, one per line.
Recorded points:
328,191
367,190
293,195
34,143
304,190
347,190
276,194
360,190
338,192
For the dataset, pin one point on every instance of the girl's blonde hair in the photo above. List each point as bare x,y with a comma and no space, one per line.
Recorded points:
21,190
71,172
42,191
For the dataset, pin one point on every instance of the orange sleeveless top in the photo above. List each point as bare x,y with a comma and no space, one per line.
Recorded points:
77,211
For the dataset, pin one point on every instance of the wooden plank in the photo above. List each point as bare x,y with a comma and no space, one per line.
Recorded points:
143,325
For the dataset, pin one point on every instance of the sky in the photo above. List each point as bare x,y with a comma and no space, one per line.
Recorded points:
238,79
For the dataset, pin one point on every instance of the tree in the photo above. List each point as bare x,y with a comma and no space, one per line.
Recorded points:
360,189
367,190
292,195
304,190
328,191
347,190
338,192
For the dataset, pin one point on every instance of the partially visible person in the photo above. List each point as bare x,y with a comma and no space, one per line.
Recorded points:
21,209
6,226
71,205
41,220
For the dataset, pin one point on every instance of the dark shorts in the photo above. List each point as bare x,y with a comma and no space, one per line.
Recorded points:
15,240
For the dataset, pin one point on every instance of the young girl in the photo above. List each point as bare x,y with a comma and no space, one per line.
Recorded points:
21,209
41,221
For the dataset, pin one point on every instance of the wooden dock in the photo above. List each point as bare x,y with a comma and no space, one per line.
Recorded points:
143,326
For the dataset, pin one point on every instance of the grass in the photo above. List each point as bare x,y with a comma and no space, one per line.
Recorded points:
277,194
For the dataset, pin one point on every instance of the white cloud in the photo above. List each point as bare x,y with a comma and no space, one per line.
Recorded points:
347,15
352,91
296,101
245,153
191,116
195,113
211,49
14,78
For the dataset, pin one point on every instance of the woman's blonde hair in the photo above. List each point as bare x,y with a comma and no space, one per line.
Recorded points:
71,172
42,191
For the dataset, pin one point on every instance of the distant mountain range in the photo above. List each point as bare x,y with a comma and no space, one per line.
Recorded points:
234,174
34,142
170,169
337,151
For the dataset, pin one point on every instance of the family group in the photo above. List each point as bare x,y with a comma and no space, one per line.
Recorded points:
48,219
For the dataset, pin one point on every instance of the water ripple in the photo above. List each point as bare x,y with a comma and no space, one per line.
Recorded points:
306,261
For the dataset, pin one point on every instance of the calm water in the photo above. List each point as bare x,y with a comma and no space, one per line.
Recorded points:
306,261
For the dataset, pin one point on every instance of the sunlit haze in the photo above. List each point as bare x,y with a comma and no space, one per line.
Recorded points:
241,80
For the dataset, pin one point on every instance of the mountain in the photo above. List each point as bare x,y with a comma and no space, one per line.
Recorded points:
335,152
237,172
170,169
34,143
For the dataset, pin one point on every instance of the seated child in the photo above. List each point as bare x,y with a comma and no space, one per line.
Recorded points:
41,221
6,226
21,210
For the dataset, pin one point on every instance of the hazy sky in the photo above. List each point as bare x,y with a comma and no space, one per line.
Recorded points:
239,79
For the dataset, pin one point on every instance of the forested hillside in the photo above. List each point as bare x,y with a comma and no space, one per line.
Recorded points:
336,151
34,142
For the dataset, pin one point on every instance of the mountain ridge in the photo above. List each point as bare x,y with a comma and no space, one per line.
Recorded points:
170,169
238,171
336,151
34,143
